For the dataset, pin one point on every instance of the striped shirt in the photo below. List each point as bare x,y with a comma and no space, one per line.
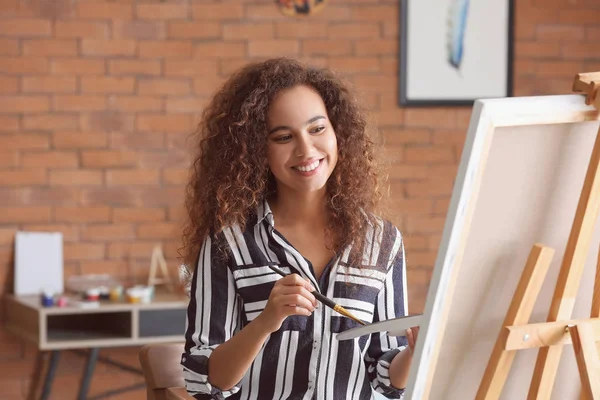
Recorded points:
303,359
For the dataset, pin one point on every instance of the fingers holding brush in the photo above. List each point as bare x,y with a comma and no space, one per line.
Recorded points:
290,296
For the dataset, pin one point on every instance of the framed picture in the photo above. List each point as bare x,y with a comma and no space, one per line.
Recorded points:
453,52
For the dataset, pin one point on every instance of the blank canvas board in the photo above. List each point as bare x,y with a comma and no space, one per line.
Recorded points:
518,184
38,262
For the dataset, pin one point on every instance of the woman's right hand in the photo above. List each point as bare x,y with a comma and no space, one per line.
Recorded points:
290,295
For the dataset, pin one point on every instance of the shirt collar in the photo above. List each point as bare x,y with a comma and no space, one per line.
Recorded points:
264,213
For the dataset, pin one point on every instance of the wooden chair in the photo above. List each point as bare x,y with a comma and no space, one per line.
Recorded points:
163,372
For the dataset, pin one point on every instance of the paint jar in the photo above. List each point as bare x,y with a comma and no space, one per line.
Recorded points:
116,293
61,301
92,294
47,299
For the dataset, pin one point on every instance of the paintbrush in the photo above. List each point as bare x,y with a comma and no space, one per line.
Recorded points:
328,302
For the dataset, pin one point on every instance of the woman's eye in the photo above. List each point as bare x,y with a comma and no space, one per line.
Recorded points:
283,138
318,129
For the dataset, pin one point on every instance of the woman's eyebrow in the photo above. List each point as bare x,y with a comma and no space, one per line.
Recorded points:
284,127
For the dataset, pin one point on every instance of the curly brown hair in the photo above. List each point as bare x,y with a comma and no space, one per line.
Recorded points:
229,176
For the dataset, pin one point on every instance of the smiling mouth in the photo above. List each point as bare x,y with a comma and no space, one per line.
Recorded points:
309,167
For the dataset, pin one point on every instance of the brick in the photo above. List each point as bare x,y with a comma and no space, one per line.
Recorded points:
428,224
81,29
163,86
194,30
354,31
49,47
79,140
54,159
9,47
79,103
39,195
9,85
160,230
560,32
53,121
581,51
429,188
7,236
79,177
581,16
18,27
127,250
145,30
9,159
409,206
49,84
273,48
134,67
218,11
24,104
84,251
108,120
558,68
115,47
162,11
373,13
23,65
108,11
108,158
529,49
327,47
82,214
161,197
76,66
408,171
12,215
115,196
178,68
354,64
393,117
300,30
440,117
70,232
429,154
138,214
220,50
443,171
244,30
592,33
384,47
175,176
135,103
24,176
193,104
441,206
390,29
137,141
176,213
392,155
9,123
107,84
399,137
207,85
165,49
335,13
175,141
449,137
164,123
132,177
102,232
373,83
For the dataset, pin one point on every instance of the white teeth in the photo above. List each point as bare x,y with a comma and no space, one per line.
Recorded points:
309,167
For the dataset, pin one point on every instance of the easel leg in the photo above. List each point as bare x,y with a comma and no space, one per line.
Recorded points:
587,359
54,356
518,313
87,374
36,376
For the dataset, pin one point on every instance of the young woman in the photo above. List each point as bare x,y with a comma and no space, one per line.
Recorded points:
284,174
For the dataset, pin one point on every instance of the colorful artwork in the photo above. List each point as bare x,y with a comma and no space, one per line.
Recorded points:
300,7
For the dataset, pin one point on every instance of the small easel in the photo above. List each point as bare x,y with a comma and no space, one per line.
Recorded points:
158,260
549,337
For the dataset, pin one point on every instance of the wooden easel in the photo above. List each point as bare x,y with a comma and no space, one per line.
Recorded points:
516,334
158,260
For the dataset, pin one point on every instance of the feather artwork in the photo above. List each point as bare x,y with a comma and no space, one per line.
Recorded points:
455,38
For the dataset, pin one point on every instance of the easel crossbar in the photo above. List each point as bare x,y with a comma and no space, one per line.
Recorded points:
545,334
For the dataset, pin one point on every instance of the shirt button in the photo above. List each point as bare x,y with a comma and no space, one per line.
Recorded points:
183,359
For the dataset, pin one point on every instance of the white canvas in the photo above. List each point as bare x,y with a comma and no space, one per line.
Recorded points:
518,184
38,262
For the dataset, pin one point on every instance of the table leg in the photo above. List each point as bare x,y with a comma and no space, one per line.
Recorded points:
87,374
36,376
54,356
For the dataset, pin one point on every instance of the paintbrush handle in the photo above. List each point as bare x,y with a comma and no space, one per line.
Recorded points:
327,301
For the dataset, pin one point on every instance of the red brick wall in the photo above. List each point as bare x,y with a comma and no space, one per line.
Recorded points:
96,99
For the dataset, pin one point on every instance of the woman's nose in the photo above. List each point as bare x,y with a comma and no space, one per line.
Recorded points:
303,146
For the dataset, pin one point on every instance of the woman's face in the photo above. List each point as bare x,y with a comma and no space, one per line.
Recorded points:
302,146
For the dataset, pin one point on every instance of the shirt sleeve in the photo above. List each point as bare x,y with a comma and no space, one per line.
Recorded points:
212,318
391,303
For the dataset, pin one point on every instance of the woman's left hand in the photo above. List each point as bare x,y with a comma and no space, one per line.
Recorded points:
411,337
